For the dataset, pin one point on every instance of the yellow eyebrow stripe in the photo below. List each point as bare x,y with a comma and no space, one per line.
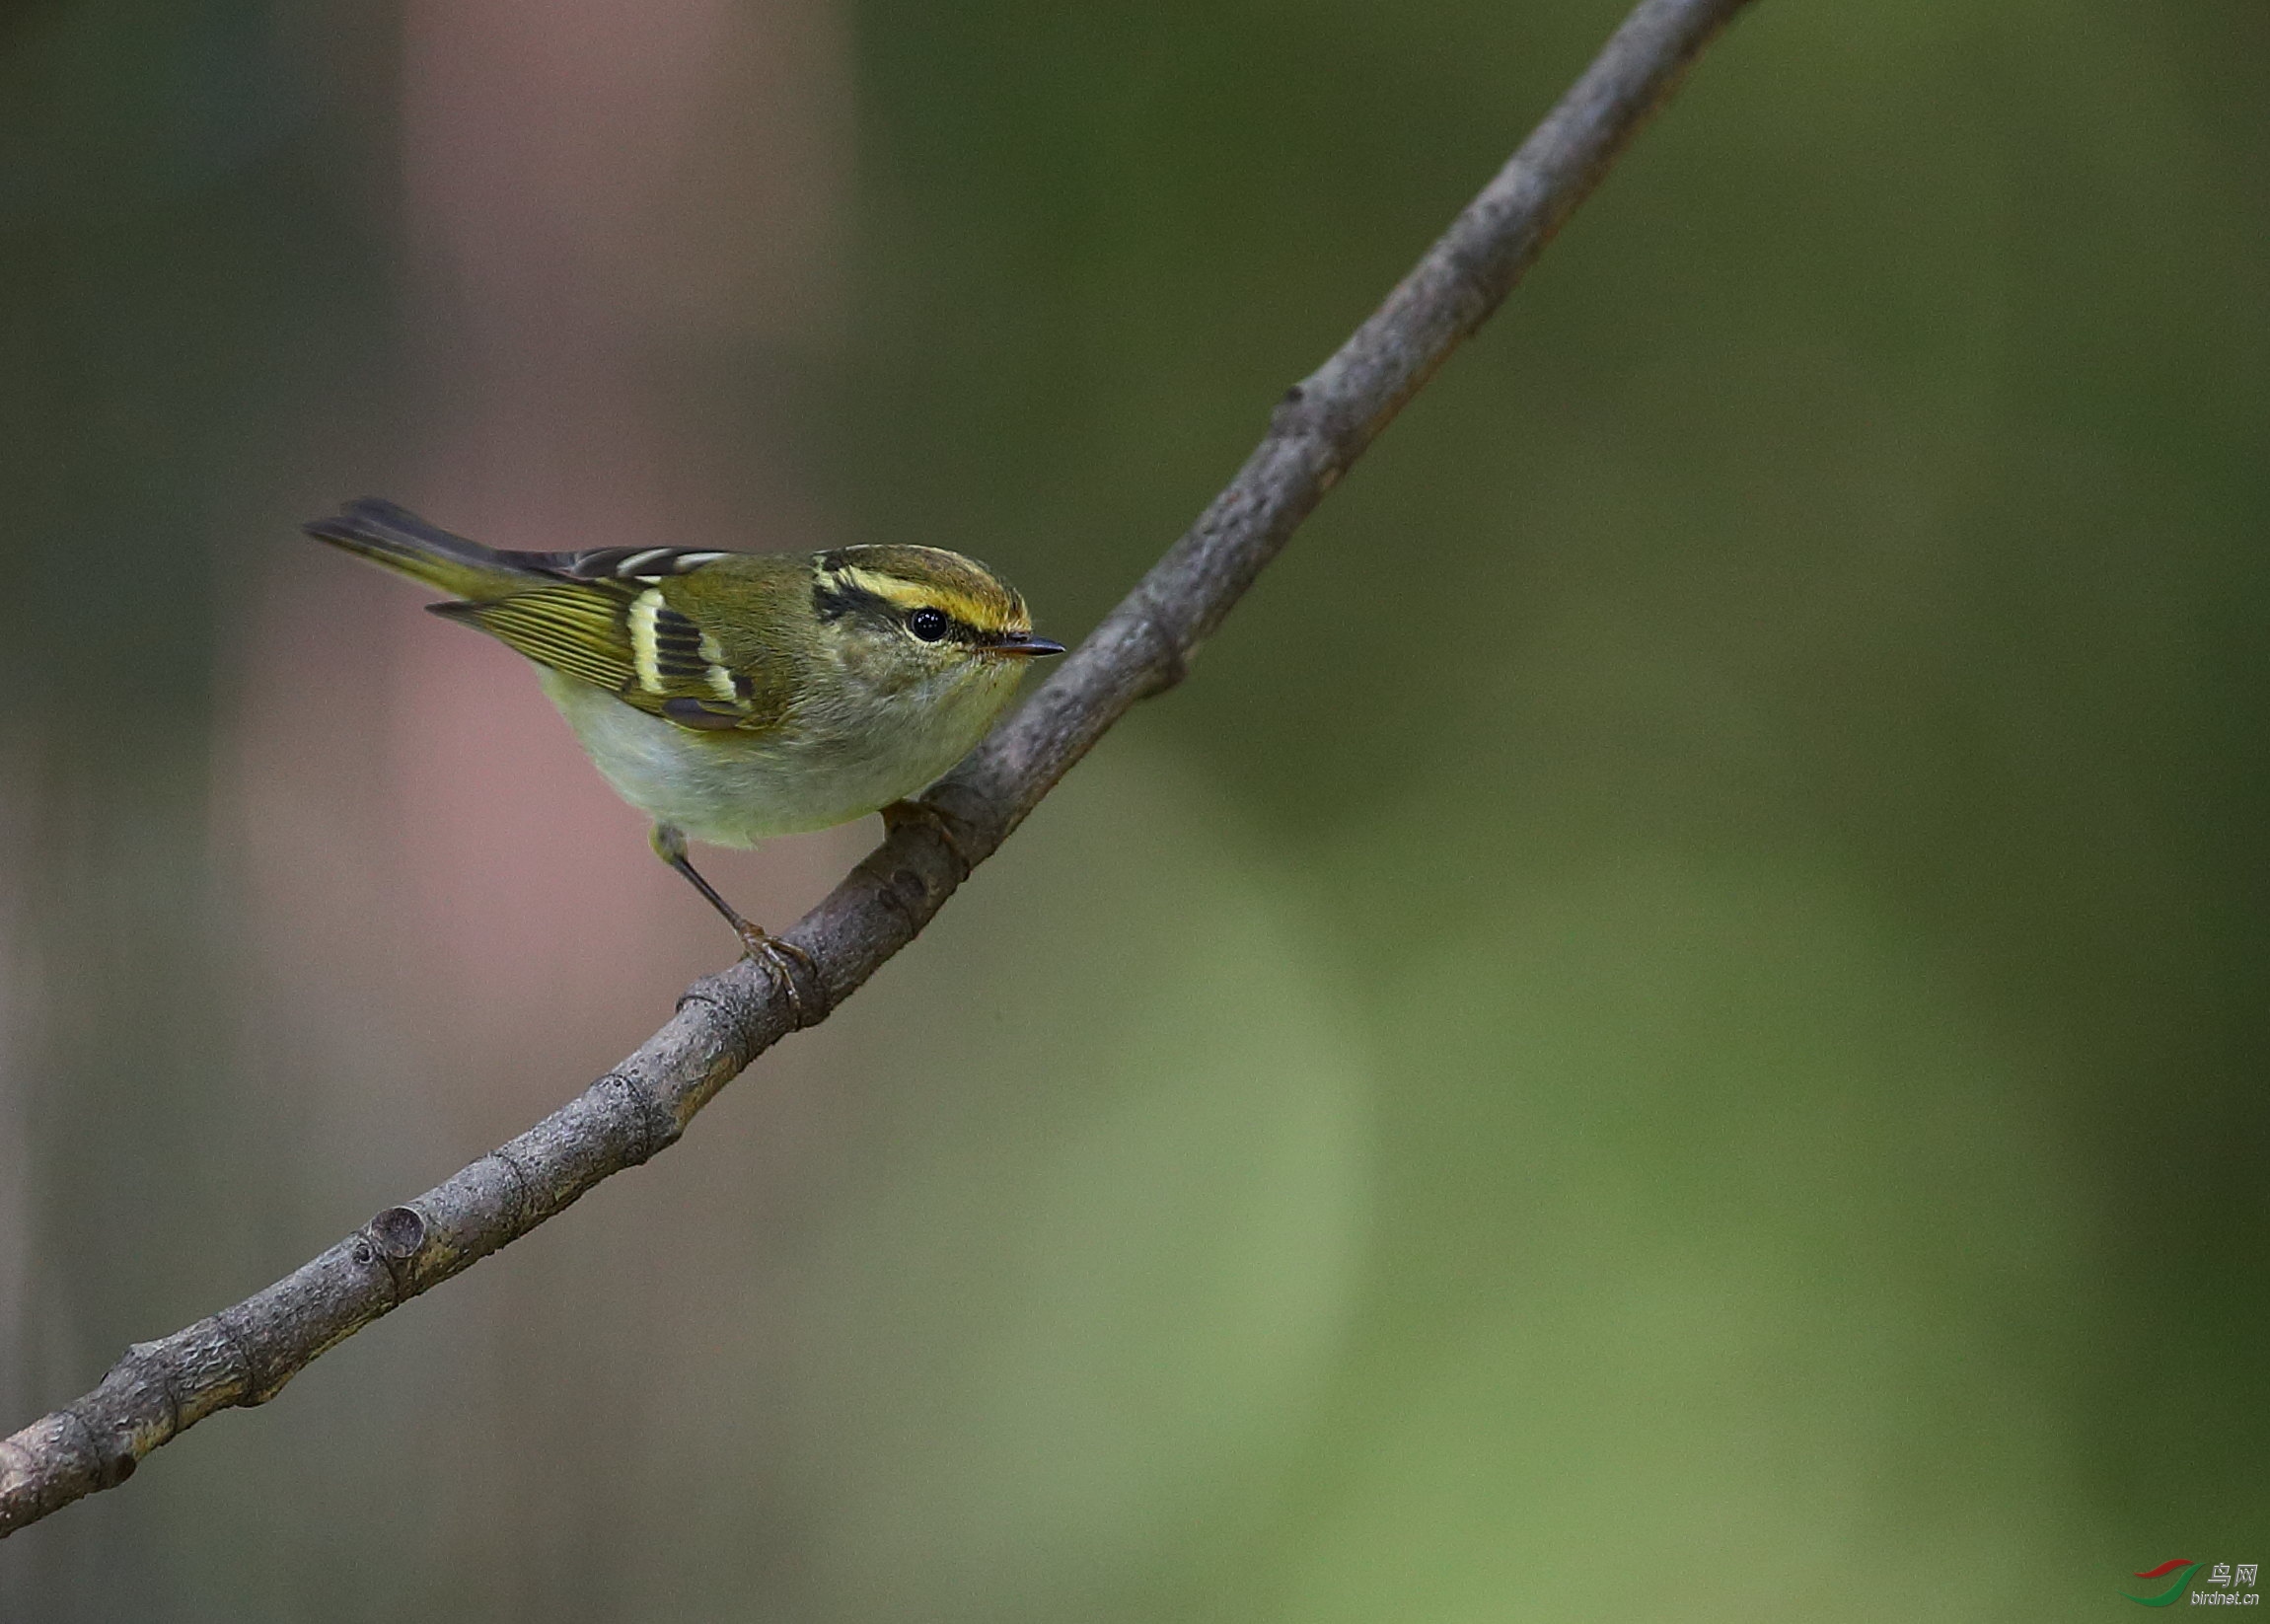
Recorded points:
904,594
892,590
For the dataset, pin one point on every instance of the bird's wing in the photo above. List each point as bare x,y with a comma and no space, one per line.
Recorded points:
647,566
621,632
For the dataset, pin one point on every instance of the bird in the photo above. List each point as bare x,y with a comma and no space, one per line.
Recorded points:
730,696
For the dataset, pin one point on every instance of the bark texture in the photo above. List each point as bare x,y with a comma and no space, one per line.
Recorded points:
246,1354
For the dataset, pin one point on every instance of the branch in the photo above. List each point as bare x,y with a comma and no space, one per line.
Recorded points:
246,1354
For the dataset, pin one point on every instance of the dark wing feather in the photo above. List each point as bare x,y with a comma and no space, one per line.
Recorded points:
618,564
577,630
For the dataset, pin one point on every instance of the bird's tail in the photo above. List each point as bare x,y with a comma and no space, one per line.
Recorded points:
404,543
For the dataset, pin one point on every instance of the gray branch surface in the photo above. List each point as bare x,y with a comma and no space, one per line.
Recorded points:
245,1355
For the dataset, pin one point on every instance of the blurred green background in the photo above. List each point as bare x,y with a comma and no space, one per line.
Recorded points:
1671,1025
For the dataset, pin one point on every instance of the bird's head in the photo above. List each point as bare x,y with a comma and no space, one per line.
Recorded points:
923,611
907,616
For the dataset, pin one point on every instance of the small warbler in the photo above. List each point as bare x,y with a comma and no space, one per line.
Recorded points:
735,695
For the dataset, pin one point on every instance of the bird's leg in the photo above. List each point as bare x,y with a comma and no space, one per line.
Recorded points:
768,950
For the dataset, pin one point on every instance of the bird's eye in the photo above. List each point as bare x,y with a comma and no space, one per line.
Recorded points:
929,624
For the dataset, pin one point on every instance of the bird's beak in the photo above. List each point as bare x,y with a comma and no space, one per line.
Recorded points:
1025,644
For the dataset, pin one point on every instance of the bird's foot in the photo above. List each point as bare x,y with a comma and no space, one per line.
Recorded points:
898,812
777,957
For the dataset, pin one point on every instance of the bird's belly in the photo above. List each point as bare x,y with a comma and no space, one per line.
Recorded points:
729,788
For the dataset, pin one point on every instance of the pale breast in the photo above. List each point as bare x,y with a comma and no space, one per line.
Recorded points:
730,788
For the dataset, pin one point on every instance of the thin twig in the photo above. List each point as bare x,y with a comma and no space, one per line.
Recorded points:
246,1354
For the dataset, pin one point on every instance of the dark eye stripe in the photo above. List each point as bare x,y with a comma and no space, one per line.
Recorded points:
834,599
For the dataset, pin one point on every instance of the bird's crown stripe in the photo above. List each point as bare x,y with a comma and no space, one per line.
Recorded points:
902,593
892,589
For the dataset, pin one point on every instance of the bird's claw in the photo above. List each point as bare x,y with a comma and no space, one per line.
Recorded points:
910,811
772,954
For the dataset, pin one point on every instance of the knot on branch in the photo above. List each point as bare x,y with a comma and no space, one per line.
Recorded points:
391,1240
1314,410
1295,412
1323,422
400,1232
